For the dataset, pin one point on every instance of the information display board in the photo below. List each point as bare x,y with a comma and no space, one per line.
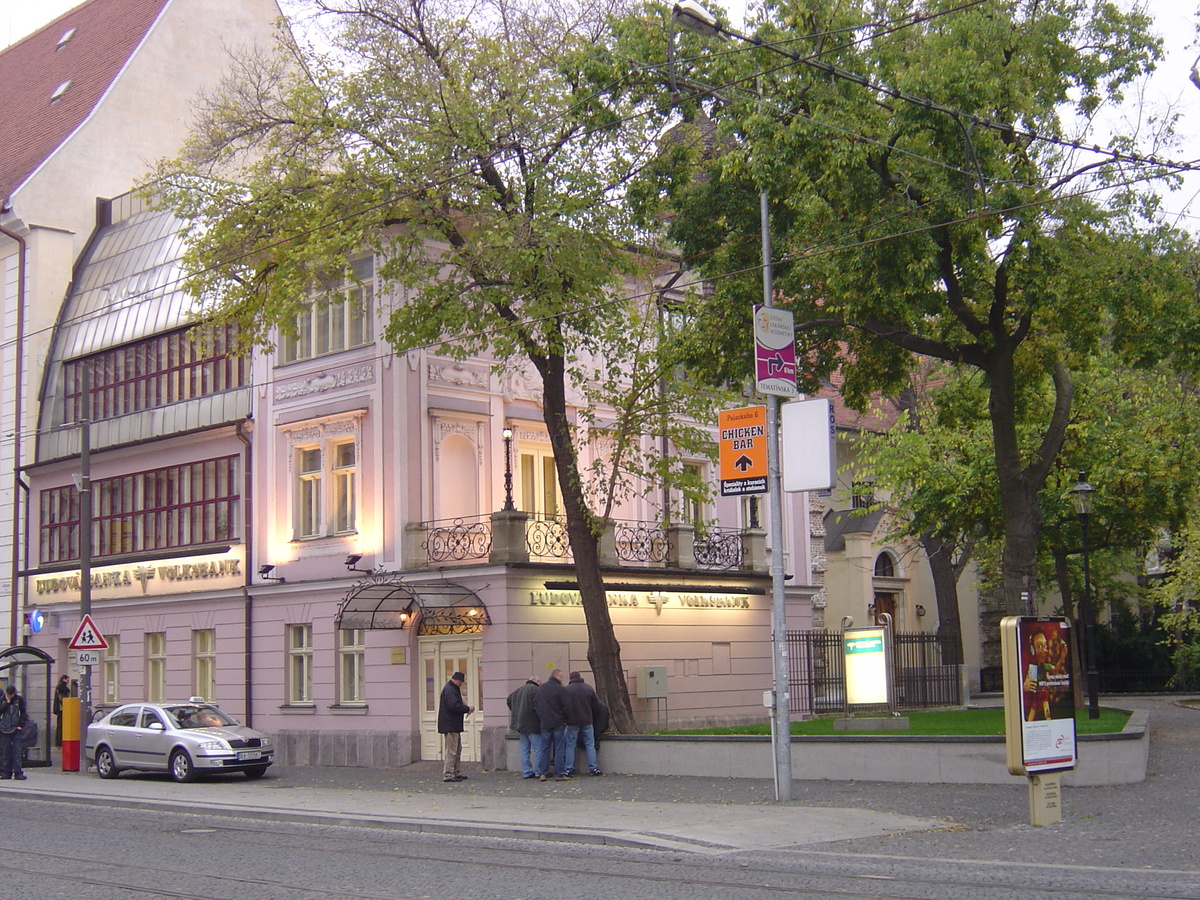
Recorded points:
1039,695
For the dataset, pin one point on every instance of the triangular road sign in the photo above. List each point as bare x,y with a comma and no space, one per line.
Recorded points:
88,636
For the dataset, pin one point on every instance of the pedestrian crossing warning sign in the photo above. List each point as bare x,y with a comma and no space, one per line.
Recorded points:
88,636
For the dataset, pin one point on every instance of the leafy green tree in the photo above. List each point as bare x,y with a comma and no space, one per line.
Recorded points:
934,193
448,137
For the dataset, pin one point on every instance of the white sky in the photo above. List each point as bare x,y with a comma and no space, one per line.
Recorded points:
1169,85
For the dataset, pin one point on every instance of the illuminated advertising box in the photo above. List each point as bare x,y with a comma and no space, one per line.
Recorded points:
1039,695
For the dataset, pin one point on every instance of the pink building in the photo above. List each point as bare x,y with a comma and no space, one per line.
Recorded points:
315,539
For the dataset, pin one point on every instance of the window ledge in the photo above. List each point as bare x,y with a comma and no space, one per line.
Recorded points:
298,709
357,709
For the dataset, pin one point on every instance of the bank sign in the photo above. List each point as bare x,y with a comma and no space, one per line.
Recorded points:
646,599
146,579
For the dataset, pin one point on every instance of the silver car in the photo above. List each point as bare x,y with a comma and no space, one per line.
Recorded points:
183,739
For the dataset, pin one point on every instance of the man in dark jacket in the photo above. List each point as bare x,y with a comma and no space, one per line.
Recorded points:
525,722
12,720
583,706
452,709
551,706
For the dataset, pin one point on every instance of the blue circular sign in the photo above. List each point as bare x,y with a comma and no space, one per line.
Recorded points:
36,621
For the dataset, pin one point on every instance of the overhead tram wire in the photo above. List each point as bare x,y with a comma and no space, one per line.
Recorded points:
595,307
1114,156
750,45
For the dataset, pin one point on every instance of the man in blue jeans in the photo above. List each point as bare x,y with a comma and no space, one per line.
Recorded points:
12,720
523,719
582,708
551,706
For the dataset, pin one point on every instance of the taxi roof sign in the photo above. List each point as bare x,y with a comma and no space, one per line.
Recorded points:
88,636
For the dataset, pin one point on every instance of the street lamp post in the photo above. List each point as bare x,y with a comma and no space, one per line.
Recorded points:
1081,495
507,434
695,18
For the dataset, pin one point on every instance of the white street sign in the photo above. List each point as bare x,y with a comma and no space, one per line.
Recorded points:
87,657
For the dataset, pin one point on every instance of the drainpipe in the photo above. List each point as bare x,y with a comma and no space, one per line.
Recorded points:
18,433
248,536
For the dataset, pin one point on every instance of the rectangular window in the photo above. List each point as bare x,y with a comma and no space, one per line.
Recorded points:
539,483
692,507
165,369
352,685
343,487
308,492
299,665
162,509
204,648
156,667
336,321
326,489
111,691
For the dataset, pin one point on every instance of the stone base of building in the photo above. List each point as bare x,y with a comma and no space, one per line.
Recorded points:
365,749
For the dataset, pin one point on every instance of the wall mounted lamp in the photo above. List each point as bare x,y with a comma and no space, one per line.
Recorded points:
265,570
920,610
352,561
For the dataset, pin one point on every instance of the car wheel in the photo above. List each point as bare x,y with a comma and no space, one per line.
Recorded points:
181,766
256,772
106,767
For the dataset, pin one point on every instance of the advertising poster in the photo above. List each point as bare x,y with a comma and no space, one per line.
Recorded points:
1047,696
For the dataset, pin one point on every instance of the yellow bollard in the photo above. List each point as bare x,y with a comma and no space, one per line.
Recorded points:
70,731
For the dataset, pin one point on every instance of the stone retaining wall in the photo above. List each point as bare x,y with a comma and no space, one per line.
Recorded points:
1103,759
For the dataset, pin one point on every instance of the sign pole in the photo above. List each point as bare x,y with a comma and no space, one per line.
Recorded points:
781,723
85,536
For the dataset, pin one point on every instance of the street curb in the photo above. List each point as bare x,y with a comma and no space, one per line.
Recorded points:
561,834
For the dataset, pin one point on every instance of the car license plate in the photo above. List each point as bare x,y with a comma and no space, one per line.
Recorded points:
249,754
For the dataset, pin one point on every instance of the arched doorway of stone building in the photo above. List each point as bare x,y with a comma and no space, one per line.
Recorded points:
439,657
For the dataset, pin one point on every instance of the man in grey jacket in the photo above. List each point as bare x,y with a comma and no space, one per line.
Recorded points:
523,719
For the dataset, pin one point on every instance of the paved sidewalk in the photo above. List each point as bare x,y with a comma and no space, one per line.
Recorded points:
402,799
1146,825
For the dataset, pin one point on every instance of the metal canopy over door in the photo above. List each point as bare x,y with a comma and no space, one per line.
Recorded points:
439,658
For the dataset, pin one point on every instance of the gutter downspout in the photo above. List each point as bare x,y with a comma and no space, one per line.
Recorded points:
18,433
247,597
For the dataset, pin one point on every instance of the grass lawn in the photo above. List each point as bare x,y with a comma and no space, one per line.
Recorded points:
969,722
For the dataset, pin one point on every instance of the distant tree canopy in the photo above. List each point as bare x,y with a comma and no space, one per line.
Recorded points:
934,191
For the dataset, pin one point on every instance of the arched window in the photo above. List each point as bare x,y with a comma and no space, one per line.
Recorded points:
885,566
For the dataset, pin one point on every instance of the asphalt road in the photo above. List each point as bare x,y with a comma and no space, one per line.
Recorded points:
1131,841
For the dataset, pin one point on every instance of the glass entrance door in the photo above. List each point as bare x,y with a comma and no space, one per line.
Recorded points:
440,657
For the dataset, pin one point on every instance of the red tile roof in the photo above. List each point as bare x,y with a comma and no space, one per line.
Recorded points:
107,32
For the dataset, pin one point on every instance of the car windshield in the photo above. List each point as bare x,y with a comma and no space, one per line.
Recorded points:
192,715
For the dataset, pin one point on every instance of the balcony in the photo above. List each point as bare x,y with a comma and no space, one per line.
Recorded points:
514,536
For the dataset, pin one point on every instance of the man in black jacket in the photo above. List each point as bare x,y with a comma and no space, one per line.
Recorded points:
551,706
12,720
452,709
583,706
525,722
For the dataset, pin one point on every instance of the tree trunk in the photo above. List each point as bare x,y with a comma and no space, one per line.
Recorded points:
604,651
945,589
1062,575
1020,482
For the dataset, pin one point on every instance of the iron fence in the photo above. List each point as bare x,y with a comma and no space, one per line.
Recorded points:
921,678
719,548
458,540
